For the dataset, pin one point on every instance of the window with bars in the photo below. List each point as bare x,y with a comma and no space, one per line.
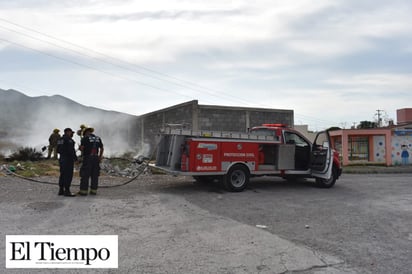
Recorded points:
358,148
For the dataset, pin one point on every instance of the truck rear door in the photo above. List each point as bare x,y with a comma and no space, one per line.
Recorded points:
321,161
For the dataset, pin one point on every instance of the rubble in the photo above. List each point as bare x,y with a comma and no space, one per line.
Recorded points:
124,167
7,169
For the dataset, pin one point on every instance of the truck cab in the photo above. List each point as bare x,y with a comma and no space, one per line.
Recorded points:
317,159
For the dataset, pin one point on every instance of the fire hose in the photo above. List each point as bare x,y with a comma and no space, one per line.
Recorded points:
143,161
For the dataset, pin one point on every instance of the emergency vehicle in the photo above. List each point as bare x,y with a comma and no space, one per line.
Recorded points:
233,158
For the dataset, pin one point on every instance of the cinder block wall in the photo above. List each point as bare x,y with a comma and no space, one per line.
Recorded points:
240,119
221,119
191,115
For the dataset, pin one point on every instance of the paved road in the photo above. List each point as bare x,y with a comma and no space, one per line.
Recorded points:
365,220
170,225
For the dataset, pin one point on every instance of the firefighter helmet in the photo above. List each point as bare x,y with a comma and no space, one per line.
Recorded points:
88,129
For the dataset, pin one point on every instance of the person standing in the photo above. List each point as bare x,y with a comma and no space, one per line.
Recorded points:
92,149
80,131
54,137
67,158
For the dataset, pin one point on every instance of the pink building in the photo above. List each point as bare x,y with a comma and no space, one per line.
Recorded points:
388,146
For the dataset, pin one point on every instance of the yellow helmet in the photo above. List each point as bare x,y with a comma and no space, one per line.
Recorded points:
90,129
82,126
56,130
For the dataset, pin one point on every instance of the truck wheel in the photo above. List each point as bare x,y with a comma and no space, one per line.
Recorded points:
328,183
236,179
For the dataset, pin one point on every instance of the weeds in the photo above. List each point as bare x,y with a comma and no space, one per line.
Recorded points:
26,154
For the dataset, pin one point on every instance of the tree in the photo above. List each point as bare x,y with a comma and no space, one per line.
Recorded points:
334,128
367,124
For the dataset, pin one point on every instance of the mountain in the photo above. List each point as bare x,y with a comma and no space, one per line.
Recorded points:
28,121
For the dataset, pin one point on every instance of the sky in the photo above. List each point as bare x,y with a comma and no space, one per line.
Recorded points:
335,63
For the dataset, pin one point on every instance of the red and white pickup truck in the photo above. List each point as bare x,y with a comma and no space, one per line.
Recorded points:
270,149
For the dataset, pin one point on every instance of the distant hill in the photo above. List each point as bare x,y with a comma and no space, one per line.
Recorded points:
28,121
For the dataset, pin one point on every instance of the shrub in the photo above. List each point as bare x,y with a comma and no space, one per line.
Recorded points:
26,154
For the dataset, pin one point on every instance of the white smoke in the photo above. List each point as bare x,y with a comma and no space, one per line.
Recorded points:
115,129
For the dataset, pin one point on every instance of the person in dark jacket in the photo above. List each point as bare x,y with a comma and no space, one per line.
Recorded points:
67,158
92,151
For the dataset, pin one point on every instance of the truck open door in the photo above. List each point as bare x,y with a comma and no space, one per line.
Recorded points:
321,162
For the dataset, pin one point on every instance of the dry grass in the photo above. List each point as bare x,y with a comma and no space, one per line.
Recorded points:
52,168
34,169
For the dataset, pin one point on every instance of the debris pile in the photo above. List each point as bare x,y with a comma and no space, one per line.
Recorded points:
5,169
8,169
124,167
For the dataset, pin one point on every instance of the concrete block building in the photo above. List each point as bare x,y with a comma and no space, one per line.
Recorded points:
191,115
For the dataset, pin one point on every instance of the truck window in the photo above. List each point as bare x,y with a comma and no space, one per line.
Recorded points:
293,138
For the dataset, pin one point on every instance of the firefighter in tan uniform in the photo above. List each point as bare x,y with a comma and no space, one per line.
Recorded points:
81,130
53,139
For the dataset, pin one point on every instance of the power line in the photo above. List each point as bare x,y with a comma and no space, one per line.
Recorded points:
162,77
114,62
86,66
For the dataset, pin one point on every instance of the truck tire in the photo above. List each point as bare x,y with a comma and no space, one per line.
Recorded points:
236,179
328,183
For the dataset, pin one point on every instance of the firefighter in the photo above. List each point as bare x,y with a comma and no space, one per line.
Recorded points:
81,130
92,149
67,158
79,133
54,137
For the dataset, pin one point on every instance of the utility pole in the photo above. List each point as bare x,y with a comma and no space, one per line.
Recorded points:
379,112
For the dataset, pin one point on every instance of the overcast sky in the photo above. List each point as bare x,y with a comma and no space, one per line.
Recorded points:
333,62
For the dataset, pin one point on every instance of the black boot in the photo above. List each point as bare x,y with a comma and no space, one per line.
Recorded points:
67,193
61,191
